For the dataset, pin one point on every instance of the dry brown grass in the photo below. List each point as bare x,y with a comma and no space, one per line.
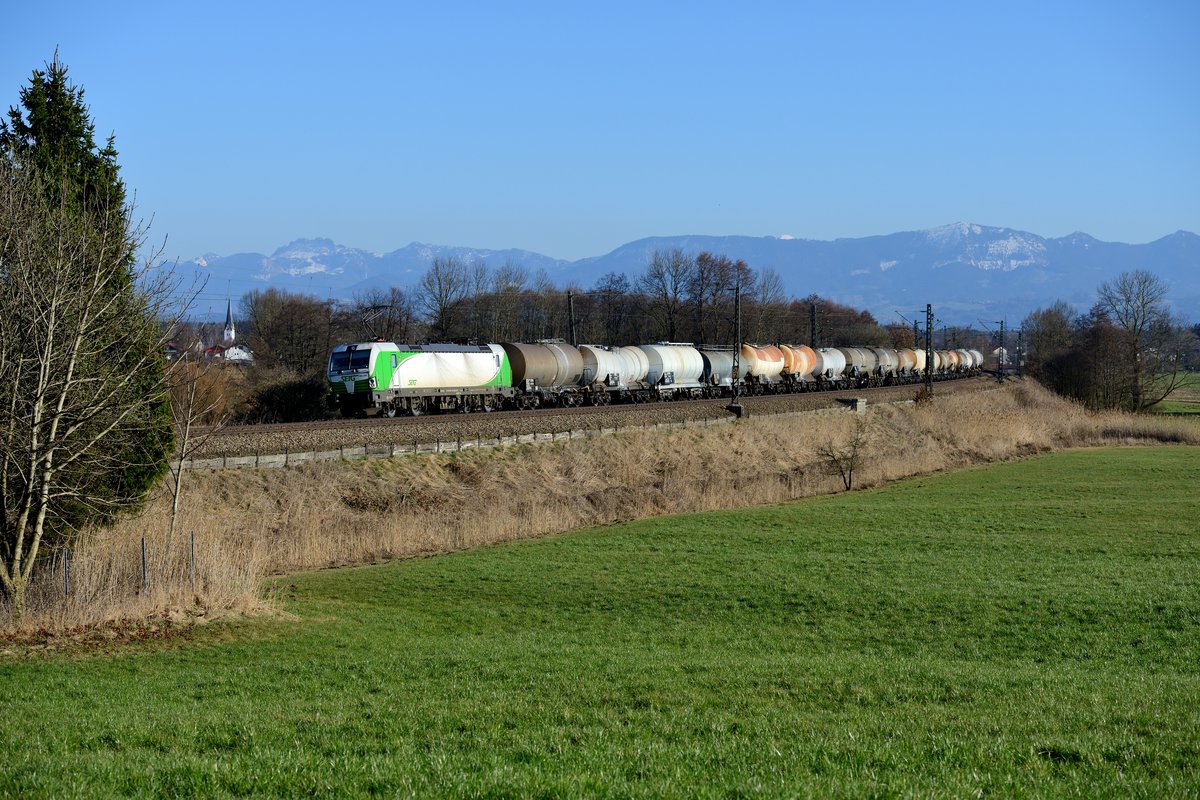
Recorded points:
252,523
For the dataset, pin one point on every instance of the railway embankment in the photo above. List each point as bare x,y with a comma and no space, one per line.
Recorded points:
275,445
236,526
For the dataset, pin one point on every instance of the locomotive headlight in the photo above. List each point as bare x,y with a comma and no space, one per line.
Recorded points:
371,381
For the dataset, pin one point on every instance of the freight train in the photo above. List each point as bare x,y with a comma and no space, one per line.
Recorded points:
386,378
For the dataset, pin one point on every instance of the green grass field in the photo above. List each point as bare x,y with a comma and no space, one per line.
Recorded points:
1026,629
1184,401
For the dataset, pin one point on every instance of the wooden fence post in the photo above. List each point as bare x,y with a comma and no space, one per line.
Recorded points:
145,573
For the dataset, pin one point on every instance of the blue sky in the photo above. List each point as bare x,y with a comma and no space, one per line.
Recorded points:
572,128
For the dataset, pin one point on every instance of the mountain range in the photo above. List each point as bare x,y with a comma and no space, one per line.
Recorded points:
970,273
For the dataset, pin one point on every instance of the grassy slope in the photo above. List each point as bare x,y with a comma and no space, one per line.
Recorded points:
1028,628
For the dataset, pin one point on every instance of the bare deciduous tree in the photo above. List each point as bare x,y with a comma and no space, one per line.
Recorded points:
508,284
442,289
478,276
710,280
197,412
1134,302
665,282
288,329
385,313
845,457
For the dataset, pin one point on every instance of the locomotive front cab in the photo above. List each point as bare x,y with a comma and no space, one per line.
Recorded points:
354,374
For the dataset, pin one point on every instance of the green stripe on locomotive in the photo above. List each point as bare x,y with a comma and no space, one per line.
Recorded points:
504,377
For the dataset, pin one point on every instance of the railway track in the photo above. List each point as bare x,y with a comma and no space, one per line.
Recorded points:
240,440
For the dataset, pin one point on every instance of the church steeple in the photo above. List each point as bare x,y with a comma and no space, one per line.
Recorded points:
230,332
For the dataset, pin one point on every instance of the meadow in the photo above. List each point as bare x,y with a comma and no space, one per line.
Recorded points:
1021,629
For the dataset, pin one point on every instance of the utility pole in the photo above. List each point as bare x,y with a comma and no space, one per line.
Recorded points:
1021,350
735,376
1001,355
571,318
916,335
929,348
812,325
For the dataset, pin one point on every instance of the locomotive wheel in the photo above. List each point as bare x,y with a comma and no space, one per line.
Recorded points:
390,411
414,410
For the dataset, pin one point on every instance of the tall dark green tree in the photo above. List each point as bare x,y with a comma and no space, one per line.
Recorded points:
51,133
85,369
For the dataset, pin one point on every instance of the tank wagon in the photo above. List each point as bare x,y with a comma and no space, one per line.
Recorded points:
390,379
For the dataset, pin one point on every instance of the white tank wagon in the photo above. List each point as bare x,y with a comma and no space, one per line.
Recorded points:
887,361
976,359
414,379
718,367
636,365
672,366
859,361
818,370
833,364
601,365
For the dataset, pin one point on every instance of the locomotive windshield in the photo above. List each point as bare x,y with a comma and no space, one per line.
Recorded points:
350,359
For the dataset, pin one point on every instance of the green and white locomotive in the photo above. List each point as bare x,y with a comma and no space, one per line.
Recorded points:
414,379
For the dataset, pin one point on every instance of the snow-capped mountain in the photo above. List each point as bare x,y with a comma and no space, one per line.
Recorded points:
967,271
324,268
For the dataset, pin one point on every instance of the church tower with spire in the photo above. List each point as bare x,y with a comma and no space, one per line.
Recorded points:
230,333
